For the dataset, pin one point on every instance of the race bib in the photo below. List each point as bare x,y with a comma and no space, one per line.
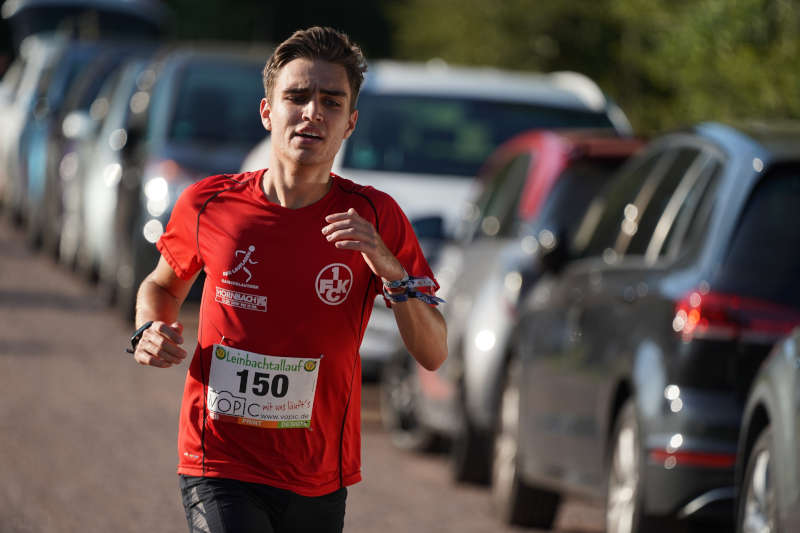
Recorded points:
261,390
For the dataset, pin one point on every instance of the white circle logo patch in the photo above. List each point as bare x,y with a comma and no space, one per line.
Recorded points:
333,283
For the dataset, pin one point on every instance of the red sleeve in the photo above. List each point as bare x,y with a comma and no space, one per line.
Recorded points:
398,235
178,244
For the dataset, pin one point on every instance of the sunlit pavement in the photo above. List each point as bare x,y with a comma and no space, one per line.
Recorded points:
88,437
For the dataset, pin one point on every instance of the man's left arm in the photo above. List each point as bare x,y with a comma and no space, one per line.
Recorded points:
421,325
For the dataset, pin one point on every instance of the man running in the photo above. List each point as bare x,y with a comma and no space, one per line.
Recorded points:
269,434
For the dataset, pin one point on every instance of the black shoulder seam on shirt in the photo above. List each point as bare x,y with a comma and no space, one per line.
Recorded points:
205,204
369,200
360,333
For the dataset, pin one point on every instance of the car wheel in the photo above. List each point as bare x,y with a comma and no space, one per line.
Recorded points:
470,452
34,231
515,501
757,511
399,405
624,497
129,274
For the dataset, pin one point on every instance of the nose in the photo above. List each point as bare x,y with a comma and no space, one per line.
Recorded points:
311,111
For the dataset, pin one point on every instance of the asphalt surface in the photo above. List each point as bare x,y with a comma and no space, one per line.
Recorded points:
88,437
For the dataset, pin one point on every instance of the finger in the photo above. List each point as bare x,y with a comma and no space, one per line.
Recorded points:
166,350
147,359
336,225
163,347
339,216
350,245
177,326
348,233
333,217
168,331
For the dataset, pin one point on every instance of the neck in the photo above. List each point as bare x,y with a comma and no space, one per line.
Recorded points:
296,186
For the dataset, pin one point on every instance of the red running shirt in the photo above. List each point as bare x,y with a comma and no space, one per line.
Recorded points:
276,287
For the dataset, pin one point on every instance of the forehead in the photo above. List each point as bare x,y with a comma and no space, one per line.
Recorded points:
312,74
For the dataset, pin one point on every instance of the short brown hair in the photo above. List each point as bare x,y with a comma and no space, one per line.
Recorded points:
323,43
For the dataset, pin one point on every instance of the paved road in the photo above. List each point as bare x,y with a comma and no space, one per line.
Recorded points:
87,437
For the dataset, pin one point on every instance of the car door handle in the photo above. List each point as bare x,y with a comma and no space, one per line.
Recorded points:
629,294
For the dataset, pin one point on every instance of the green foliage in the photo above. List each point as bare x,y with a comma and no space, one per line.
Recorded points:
668,63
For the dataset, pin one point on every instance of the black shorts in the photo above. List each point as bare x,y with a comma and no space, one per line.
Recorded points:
217,505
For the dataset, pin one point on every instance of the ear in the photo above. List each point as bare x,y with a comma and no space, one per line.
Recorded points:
351,124
264,111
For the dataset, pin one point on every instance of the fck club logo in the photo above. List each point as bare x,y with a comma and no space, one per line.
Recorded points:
333,283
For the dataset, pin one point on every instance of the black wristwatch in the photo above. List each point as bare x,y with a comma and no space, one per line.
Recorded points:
137,336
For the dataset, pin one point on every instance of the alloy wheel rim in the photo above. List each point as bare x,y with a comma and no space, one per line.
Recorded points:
759,504
623,482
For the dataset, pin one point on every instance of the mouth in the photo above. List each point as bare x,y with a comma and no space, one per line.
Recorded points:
308,135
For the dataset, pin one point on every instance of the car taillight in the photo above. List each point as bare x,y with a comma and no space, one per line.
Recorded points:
712,315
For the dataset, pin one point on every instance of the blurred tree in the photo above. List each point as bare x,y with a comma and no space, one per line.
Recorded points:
271,21
667,62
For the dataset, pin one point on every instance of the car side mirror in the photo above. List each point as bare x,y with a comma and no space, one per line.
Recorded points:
429,228
431,235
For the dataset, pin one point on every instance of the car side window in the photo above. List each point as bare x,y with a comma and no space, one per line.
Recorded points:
600,225
643,214
498,204
680,227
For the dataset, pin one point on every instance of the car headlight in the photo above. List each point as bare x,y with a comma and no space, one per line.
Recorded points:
156,190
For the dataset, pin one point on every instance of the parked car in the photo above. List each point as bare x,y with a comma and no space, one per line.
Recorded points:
631,365
43,31
24,99
88,163
768,462
533,190
424,130
73,120
198,118
71,85
87,19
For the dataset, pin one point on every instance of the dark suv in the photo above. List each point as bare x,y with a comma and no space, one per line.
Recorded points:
631,365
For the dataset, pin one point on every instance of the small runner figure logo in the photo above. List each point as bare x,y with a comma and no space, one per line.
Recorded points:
310,366
221,352
334,283
242,266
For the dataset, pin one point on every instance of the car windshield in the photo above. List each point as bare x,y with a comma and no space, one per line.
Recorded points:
217,103
449,136
765,245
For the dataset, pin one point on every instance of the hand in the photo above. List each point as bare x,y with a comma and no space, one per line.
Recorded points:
349,231
160,345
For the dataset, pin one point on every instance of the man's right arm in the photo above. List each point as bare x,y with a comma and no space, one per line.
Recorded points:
159,300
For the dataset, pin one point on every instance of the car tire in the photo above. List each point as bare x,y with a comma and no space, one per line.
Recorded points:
470,451
129,275
34,231
758,506
514,501
624,509
399,405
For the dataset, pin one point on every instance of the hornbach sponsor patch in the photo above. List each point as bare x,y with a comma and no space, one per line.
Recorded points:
243,300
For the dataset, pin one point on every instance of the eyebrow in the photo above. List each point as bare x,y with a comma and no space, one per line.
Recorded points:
303,90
